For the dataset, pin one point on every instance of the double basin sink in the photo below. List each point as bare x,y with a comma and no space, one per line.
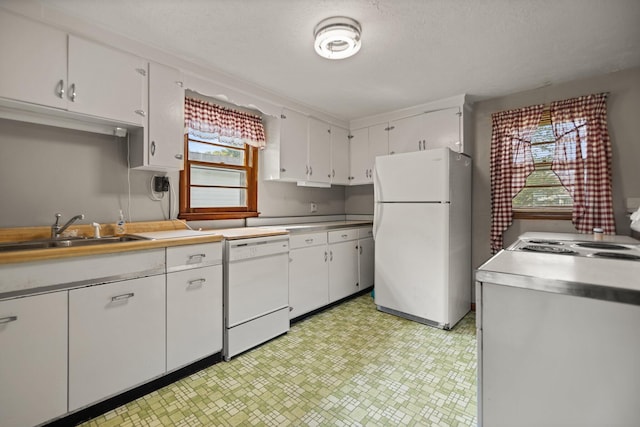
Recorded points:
66,242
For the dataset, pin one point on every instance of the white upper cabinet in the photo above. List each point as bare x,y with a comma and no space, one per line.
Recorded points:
339,156
161,145
107,83
434,129
366,145
33,67
294,132
319,152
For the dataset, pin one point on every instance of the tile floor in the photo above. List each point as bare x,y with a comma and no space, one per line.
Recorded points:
348,366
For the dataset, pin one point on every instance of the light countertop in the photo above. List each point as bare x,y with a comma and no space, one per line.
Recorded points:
607,279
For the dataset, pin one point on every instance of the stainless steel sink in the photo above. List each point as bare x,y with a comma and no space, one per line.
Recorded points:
65,243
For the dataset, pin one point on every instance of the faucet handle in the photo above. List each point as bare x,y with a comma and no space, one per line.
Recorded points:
58,216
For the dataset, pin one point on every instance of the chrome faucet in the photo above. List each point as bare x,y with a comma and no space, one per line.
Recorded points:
57,230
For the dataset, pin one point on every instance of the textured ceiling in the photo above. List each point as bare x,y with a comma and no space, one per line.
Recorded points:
413,51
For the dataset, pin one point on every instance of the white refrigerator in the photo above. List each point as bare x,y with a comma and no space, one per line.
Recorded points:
422,232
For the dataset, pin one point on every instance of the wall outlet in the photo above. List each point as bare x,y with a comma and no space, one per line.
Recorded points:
314,207
160,184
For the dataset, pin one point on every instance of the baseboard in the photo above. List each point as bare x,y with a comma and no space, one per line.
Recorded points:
473,306
330,305
111,403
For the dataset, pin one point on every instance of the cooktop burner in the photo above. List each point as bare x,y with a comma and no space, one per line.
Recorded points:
616,255
549,249
596,245
544,242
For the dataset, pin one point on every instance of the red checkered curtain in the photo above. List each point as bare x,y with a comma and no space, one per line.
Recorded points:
229,126
511,163
582,159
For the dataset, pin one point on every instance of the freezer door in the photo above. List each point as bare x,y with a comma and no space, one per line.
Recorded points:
411,259
413,177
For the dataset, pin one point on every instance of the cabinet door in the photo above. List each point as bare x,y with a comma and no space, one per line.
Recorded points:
107,83
294,134
343,269
359,156
442,129
166,117
33,367
116,338
378,146
34,61
406,135
308,279
339,156
365,262
319,151
194,315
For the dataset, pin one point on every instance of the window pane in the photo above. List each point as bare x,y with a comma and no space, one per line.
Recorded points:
218,197
202,175
543,177
543,152
544,133
540,197
215,154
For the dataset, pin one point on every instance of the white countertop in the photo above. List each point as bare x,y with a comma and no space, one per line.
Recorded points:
577,236
609,279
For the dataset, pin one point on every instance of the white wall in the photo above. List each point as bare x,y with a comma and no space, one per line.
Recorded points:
44,170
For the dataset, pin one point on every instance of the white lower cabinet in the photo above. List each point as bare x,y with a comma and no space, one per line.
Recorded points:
33,351
308,273
194,315
366,253
343,269
116,338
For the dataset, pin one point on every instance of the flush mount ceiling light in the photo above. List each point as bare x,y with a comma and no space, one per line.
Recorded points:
337,37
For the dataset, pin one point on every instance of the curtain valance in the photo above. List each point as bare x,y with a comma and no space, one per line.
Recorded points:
229,126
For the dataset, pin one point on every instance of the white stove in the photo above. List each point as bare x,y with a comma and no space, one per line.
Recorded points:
581,248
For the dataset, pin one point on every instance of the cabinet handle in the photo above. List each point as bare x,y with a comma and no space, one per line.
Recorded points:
307,170
325,256
360,250
61,90
308,241
333,173
141,71
152,149
179,156
310,170
141,113
283,170
197,256
9,319
72,88
366,173
344,236
179,83
330,255
122,297
196,282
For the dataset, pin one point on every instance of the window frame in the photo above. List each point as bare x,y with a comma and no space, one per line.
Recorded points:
236,212
548,212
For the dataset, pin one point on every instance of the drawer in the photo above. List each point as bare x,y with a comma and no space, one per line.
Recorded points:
193,256
365,232
309,239
343,235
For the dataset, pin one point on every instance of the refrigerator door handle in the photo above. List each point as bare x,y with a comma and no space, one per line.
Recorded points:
377,206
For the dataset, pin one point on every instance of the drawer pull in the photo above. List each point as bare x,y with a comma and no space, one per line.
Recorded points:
8,319
122,297
308,240
344,236
198,282
197,256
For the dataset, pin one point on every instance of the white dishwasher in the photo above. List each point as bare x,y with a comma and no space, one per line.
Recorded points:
256,291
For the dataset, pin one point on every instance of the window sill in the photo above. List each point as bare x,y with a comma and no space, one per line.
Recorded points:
542,214
201,216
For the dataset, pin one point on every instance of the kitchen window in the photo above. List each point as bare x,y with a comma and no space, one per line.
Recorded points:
543,195
552,162
219,180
